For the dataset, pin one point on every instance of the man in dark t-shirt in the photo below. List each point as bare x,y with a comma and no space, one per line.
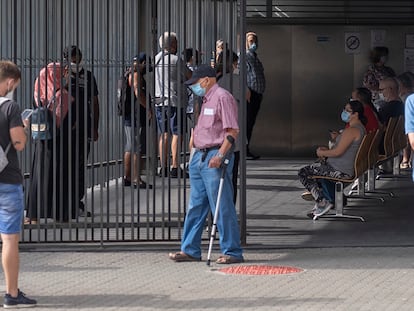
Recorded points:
392,105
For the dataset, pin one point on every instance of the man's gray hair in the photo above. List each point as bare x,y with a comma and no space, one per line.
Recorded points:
166,39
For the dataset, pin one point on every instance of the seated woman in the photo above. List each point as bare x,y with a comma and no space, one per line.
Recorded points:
337,162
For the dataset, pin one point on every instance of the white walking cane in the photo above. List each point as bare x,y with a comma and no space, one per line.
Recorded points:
224,164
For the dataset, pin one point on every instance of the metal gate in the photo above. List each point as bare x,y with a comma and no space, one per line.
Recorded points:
109,34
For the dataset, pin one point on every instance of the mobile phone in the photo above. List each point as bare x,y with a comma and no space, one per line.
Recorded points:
26,114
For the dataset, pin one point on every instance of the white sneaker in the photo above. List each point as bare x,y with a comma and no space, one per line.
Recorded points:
354,186
322,208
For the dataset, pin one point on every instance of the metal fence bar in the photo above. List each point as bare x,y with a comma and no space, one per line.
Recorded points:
108,34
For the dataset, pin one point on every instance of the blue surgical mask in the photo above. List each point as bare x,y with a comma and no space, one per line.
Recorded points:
198,90
345,115
253,47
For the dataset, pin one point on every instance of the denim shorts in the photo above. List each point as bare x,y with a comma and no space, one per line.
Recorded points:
11,208
167,120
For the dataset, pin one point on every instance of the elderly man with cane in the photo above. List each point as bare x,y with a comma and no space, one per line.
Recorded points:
217,121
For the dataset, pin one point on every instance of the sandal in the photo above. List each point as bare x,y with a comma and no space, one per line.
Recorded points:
181,257
404,165
28,221
226,260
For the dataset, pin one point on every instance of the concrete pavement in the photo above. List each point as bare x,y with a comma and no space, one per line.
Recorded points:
347,264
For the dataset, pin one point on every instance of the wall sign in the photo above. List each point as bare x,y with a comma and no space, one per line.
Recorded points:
352,42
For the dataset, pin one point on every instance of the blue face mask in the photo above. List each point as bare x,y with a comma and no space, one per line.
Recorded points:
253,47
345,115
198,90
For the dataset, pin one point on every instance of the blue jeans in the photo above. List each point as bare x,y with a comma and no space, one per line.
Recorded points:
204,182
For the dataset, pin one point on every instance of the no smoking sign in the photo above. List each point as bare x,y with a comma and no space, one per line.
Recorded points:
352,43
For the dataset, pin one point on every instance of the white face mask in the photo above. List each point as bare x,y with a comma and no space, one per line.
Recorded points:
75,68
381,96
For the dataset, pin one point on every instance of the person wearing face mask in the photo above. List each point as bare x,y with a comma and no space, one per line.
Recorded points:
256,83
377,71
337,161
392,106
85,112
13,134
218,119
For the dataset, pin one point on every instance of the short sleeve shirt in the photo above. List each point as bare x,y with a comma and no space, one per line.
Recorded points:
10,117
218,113
409,114
169,77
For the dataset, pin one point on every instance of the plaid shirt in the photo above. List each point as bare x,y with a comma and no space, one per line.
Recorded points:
255,73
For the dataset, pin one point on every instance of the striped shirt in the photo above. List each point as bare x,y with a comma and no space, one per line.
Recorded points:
255,73
218,113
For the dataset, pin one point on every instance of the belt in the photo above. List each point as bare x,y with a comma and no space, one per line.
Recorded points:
205,151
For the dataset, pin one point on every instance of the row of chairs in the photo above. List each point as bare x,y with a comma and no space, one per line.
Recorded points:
367,161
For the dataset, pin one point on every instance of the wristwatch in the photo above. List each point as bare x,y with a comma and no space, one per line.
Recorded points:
220,155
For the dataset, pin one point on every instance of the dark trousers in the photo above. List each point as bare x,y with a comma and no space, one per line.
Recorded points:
252,110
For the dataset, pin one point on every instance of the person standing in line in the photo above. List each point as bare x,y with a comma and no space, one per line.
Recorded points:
137,82
84,89
170,100
256,83
218,119
228,77
13,132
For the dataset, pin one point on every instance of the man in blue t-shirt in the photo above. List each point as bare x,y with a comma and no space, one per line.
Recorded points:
409,121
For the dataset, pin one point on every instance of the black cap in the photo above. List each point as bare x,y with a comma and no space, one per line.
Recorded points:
71,51
141,57
202,71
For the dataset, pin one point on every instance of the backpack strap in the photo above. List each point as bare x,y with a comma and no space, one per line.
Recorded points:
2,101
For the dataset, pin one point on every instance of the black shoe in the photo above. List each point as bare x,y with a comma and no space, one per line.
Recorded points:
21,301
127,183
143,185
251,156
174,173
163,172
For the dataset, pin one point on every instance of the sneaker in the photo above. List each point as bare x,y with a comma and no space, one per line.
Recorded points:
322,208
307,196
21,301
174,173
354,186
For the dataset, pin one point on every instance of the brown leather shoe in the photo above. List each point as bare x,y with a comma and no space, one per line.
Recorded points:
182,257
